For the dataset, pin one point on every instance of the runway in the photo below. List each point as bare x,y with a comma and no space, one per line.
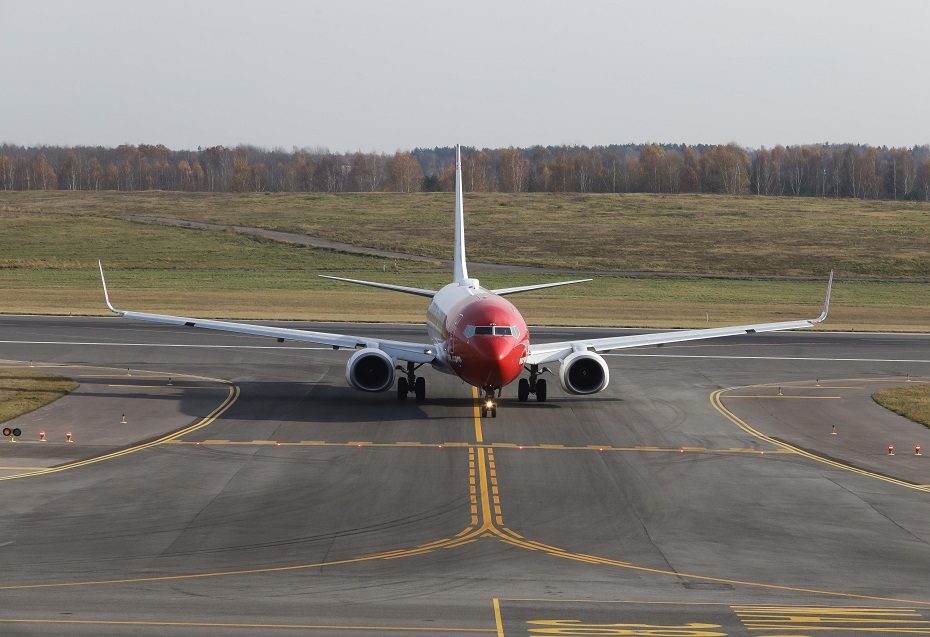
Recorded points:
666,505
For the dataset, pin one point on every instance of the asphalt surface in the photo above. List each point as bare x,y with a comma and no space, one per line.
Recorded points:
305,507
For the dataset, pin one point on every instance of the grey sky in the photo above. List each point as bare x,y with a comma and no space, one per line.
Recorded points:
383,75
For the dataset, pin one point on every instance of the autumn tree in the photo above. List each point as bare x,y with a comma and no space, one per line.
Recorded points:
514,170
241,176
651,163
404,173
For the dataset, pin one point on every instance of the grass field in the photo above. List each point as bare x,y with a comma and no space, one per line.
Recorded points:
629,232
910,401
50,243
22,391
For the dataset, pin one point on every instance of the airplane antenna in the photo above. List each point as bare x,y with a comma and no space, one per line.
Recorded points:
460,270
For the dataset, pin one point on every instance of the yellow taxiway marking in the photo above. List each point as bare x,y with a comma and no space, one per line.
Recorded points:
231,397
191,624
715,400
498,622
868,619
484,525
492,445
476,413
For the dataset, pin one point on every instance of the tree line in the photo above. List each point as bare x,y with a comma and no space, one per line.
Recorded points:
815,170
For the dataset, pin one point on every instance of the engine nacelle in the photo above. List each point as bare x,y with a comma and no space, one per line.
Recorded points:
584,373
370,369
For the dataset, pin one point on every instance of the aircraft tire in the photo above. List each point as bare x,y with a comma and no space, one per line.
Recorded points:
540,391
402,388
419,388
523,390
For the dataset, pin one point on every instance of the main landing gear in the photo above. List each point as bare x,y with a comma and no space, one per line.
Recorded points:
534,385
489,405
411,383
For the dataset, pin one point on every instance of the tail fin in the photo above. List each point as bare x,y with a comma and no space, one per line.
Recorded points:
460,270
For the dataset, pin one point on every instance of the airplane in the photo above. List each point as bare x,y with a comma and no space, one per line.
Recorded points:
475,334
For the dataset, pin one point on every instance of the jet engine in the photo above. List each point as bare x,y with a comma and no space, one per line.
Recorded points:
583,373
370,369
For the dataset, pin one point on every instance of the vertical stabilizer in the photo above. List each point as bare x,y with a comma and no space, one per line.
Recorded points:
460,270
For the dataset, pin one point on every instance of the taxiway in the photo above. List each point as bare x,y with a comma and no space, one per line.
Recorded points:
300,505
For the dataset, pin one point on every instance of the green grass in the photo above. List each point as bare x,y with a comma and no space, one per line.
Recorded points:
910,401
630,232
48,265
22,391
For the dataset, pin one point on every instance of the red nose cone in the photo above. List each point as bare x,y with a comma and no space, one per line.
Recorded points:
491,361
495,360
483,356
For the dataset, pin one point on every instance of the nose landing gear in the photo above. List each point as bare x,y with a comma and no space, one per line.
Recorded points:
534,385
489,405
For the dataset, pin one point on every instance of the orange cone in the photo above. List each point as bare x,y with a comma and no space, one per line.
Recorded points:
917,450
68,437
890,450
41,436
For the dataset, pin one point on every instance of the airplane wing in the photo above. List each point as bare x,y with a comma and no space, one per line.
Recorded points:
550,352
402,350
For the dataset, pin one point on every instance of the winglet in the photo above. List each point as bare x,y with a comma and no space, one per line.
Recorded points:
459,269
106,295
826,303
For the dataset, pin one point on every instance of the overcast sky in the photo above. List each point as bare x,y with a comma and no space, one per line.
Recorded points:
386,75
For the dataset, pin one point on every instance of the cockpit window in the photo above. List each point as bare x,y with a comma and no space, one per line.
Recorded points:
491,330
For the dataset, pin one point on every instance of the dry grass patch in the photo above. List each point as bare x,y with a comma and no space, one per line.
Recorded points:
804,236
22,391
910,401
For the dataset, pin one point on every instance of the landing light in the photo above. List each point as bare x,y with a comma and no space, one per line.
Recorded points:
489,404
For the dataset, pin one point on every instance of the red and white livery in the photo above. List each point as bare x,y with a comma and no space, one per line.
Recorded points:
475,334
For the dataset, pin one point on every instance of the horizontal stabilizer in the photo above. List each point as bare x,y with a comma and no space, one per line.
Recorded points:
385,286
540,286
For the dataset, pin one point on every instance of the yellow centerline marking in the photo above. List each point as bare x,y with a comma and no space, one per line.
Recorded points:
476,412
191,624
498,622
491,445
